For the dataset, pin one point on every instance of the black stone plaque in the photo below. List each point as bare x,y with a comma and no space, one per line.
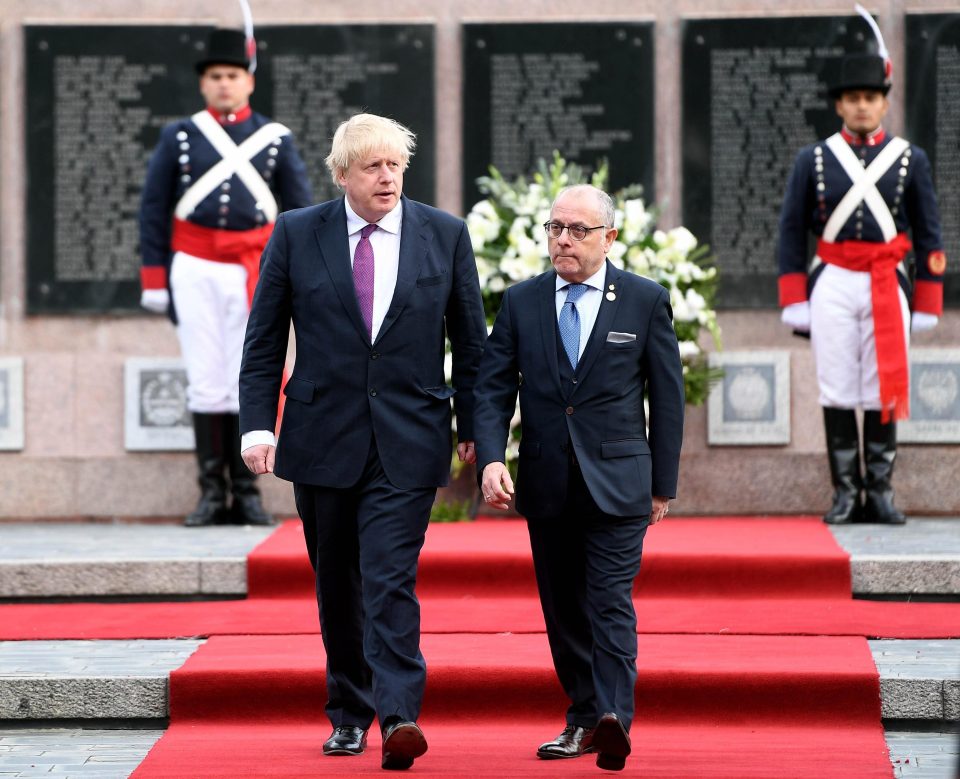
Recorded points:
933,122
584,89
754,93
313,77
97,98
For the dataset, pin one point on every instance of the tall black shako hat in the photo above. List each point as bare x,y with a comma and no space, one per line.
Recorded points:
865,71
225,47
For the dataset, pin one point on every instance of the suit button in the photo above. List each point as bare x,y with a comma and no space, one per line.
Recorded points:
569,410
374,355
373,393
574,381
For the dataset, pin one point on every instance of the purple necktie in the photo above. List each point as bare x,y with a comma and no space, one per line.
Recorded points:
363,277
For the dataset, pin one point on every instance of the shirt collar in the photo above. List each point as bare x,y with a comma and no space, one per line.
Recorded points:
389,222
233,118
871,139
595,281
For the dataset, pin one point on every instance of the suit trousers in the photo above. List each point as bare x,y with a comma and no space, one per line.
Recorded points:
364,543
586,562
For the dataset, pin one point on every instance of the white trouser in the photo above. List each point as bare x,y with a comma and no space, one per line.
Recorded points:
841,332
212,310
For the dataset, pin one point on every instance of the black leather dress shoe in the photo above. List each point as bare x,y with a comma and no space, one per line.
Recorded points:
346,740
403,742
611,742
573,742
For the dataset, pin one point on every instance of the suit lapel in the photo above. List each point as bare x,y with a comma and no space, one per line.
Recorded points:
415,238
548,323
602,326
335,252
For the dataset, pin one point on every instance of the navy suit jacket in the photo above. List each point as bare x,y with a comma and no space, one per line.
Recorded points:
602,414
344,390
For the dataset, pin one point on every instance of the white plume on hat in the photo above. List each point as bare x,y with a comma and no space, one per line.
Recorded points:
251,41
881,46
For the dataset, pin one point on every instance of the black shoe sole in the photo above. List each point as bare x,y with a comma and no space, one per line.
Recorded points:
342,752
554,756
611,744
404,744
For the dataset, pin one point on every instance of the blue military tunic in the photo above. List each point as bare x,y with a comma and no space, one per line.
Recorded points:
182,156
817,185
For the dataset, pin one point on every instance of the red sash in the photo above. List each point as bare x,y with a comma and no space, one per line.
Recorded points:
880,261
243,247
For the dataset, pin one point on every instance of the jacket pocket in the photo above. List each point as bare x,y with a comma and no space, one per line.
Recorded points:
625,447
300,389
442,392
429,281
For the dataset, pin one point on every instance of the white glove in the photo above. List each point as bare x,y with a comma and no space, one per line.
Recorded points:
155,300
920,322
797,316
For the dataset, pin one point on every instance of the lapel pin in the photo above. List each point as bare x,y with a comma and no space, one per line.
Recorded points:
611,296
612,287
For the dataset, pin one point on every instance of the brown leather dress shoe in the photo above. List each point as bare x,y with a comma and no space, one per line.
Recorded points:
346,740
403,742
573,742
611,743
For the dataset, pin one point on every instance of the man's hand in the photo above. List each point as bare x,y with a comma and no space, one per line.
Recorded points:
797,316
660,508
497,486
259,458
155,300
466,452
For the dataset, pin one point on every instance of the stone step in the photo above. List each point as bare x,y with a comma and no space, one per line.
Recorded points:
129,680
90,561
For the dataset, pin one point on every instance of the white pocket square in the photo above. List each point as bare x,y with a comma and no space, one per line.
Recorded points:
620,338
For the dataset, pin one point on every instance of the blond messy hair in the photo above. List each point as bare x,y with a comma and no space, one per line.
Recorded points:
363,134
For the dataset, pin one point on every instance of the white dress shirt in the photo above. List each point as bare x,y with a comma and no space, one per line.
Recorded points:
386,263
587,307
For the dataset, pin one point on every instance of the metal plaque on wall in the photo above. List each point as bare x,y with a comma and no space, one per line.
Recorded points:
97,98
584,89
312,77
11,404
156,417
750,405
933,122
754,93
934,398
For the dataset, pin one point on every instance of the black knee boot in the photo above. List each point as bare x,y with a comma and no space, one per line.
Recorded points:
879,453
246,508
843,451
208,430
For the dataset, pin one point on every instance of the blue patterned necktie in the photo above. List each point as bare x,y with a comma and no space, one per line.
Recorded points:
570,323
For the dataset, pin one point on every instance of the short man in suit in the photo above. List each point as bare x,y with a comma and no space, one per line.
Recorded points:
372,282
587,340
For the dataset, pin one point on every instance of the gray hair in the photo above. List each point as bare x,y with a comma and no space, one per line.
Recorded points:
605,208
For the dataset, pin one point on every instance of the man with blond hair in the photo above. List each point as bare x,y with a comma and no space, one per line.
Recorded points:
372,282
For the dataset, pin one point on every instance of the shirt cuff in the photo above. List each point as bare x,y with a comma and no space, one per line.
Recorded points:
257,437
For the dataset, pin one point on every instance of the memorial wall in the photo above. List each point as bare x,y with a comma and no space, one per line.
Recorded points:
703,104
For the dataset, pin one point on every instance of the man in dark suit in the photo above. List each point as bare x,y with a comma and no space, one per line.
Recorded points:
372,282
587,340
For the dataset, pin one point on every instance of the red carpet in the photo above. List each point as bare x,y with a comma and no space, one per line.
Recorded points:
707,706
783,576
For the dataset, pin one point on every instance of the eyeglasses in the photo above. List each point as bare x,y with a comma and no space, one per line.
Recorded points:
577,232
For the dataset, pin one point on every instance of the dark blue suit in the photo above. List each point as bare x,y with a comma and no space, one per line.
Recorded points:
365,435
588,467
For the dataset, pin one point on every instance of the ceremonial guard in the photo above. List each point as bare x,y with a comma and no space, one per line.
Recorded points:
868,198
214,188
